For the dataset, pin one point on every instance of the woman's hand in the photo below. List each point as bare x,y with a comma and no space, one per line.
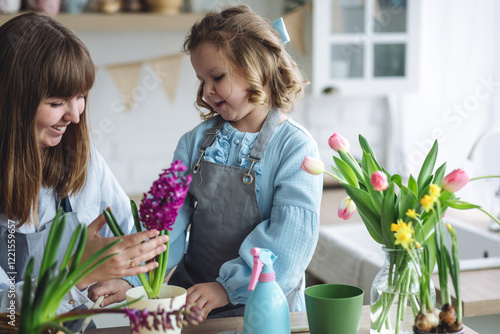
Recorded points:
114,290
208,296
130,253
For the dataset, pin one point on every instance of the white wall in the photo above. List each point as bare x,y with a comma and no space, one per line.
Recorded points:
458,53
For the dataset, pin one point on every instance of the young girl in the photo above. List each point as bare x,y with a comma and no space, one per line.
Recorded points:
248,189
47,161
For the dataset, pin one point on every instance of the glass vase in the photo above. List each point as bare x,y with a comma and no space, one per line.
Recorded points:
394,300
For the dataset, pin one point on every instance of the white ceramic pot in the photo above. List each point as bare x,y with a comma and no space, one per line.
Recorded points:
171,298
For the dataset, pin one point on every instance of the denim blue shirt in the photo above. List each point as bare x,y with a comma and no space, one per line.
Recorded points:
289,202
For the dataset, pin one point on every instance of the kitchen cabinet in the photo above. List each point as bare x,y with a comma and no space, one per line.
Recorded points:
365,47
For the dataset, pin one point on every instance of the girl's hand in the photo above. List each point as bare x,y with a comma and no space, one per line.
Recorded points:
130,253
114,290
208,296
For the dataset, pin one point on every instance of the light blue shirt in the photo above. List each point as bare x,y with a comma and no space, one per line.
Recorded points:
289,202
100,191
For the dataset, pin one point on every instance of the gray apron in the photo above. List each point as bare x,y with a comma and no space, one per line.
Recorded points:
225,212
32,245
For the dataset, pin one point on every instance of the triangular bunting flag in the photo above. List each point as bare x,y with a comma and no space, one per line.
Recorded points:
126,78
168,71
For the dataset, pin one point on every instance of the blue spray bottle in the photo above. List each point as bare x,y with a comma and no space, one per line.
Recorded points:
266,311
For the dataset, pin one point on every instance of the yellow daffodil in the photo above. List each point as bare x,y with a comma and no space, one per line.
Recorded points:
427,202
435,191
404,235
396,227
412,213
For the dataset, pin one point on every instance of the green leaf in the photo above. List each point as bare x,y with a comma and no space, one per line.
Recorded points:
370,167
439,175
397,179
367,212
412,185
48,258
425,174
338,175
388,216
82,237
26,306
406,200
135,214
346,171
111,223
71,246
365,146
461,205
353,164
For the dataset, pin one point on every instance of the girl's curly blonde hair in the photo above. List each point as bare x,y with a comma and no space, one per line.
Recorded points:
251,47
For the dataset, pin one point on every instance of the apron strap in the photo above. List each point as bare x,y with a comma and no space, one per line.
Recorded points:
208,140
66,205
211,134
265,135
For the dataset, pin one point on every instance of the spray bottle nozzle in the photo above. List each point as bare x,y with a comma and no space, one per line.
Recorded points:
261,258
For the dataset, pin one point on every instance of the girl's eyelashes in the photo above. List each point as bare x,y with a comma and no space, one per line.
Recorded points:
219,77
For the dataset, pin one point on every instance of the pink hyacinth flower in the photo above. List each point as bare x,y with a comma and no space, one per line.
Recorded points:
346,208
455,181
339,143
379,181
313,166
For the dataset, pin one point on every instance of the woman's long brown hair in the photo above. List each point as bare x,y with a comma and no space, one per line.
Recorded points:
39,58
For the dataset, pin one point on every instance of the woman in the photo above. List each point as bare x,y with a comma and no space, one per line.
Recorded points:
47,161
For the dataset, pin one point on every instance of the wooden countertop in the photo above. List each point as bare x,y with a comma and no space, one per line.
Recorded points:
215,326
480,291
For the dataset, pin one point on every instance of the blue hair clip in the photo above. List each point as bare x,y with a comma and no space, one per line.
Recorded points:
279,25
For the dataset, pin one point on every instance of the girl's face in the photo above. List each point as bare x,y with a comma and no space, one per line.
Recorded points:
54,115
226,93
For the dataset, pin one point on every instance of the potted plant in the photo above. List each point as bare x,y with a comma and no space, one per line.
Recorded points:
43,295
396,214
158,210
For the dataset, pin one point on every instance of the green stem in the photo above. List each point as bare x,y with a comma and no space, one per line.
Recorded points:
483,177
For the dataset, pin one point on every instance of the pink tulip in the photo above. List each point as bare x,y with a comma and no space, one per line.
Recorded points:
455,180
379,181
313,166
346,208
339,143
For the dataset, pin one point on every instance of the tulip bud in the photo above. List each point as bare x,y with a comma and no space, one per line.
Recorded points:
455,180
313,166
346,208
339,143
379,181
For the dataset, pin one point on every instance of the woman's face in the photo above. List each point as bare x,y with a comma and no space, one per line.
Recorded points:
226,93
54,115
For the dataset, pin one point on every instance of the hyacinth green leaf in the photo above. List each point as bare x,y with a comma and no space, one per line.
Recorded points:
439,175
135,214
353,164
412,185
346,171
27,298
388,215
366,210
425,175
